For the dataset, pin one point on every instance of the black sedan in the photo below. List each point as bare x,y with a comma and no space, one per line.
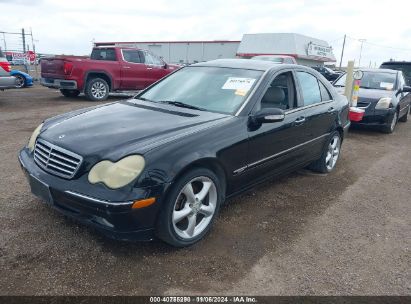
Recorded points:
329,74
384,97
162,163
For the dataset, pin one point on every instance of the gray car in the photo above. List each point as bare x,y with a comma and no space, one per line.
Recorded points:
6,81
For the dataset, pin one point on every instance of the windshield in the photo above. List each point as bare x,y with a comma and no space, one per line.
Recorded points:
372,80
213,89
269,58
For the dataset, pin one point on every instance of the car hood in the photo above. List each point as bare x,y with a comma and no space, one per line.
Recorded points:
126,127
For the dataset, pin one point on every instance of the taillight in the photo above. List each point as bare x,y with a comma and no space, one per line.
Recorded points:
5,65
67,67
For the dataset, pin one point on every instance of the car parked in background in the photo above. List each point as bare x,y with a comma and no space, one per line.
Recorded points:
281,59
23,80
163,162
108,69
329,74
6,80
403,66
384,97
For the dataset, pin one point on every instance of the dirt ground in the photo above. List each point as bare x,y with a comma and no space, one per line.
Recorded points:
346,233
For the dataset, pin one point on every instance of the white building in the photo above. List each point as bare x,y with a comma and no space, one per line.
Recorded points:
184,51
306,50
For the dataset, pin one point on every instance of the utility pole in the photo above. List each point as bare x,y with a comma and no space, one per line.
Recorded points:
362,41
35,54
4,40
342,52
23,36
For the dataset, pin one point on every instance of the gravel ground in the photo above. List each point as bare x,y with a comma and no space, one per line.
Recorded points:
346,233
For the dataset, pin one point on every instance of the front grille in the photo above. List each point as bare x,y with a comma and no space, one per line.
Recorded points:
56,160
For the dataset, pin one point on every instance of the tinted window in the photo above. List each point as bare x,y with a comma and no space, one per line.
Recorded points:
132,56
281,93
325,94
215,89
103,54
309,87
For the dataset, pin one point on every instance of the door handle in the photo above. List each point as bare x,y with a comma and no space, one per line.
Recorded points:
330,110
149,68
300,120
127,67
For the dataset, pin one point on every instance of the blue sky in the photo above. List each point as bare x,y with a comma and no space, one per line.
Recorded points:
70,26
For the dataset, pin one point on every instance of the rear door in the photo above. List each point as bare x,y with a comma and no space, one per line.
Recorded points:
404,97
133,70
318,110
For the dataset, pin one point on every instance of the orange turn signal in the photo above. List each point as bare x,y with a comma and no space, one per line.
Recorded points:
143,203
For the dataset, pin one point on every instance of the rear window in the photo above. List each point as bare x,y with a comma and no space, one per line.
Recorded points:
103,54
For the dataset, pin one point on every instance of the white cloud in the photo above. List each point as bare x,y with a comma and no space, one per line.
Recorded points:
70,26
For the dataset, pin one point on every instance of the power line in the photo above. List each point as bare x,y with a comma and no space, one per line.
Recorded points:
379,45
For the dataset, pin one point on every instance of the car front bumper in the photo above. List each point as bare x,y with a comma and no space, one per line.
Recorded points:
114,219
377,118
59,83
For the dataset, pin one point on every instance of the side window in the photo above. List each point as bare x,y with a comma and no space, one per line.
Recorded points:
132,56
401,82
309,87
149,58
156,60
103,54
325,94
280,94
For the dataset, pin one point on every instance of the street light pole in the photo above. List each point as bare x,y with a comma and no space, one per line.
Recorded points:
362,41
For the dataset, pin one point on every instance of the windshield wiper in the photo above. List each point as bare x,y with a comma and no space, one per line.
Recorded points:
182,105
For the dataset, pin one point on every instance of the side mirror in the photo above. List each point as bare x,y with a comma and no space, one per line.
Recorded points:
405,89
268,115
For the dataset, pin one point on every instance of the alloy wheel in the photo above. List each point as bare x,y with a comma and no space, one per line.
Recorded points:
98,90
333,152
20,81
194,207
394,121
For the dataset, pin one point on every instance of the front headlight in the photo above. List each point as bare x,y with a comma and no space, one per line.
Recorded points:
118,174
33,137
383,103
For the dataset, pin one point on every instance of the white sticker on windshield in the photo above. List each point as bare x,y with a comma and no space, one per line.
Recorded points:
236,83
386,85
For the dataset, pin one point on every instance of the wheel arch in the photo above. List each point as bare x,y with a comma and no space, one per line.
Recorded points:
99,74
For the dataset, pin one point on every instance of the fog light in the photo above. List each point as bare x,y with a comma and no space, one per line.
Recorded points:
143,203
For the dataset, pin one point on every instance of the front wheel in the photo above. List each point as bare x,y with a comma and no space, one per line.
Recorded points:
70,93
190,208
391,127
330,155
97,89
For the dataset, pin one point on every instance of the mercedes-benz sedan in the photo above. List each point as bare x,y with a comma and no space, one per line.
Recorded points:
161,164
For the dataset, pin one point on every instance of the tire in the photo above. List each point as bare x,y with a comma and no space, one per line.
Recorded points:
330,155
391,127
70,93
97,89
404,118
21,81
179,211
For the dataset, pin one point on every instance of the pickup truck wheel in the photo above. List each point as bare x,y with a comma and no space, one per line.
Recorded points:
70,93
97,89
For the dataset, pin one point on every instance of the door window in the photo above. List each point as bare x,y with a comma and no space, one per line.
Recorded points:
103,54
132,56
156,60
309,87
280,94
149,58
325,94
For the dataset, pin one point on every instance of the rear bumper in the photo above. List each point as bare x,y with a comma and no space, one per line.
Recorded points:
59,83
114,219
7,82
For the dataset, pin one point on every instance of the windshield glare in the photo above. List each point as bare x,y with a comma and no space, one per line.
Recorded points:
213,89
372,80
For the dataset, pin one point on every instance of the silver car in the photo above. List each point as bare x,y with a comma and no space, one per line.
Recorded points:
6,81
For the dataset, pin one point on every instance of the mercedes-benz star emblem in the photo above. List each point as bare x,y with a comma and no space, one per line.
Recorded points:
62,136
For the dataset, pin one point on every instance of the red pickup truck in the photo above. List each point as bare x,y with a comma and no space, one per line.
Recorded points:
107,70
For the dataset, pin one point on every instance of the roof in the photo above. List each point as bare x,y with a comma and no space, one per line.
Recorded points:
292,44
248,64
396,63
155,42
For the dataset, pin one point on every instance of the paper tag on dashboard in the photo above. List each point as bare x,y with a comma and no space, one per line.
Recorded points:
237,83
386,85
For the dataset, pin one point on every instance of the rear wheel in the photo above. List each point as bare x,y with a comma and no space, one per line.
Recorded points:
330,155
391,127
190,208
20,81
97,89
404,118
70,93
